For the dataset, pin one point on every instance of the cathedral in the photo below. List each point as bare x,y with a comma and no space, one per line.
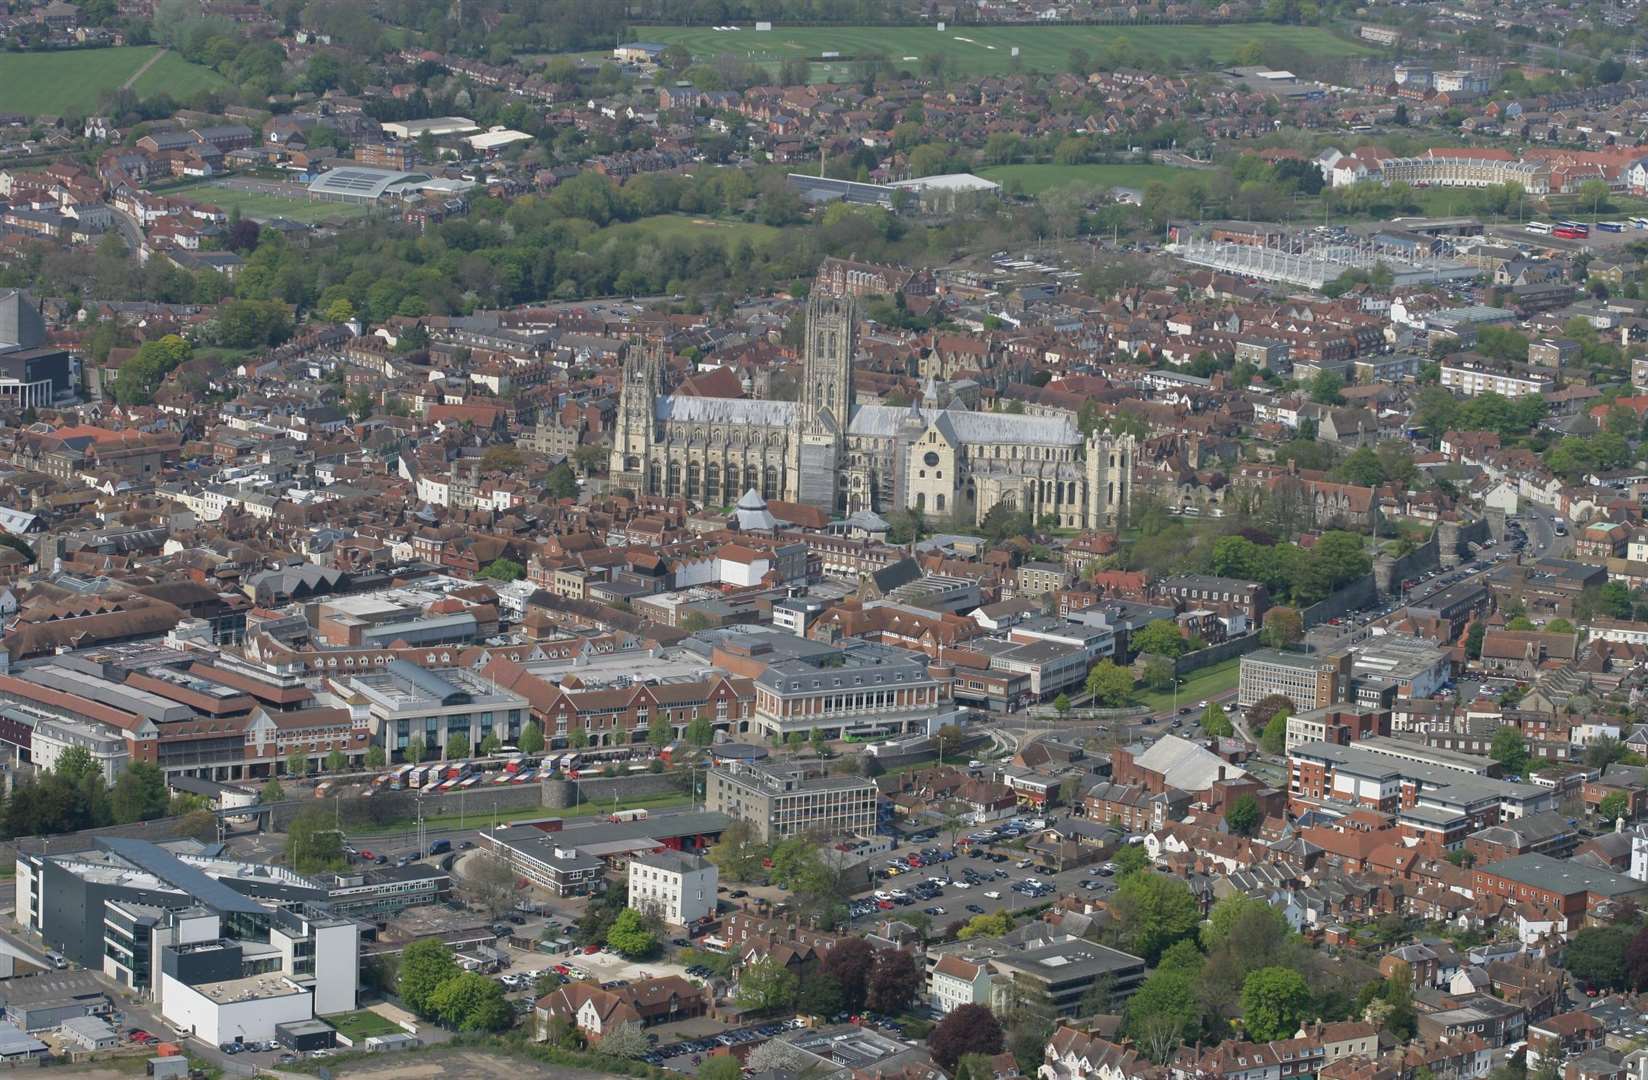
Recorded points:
827,451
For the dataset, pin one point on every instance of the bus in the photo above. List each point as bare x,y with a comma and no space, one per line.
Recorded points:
1611,226
397,779
1537,227
1577,226
1563,232
1639,223
628,815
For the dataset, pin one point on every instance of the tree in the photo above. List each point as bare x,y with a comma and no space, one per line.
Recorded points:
313,842
76,764
630,936
1282,627
970,1029
1274,738
469,1001
1399,1017
139,794
894,983
948,739
1596,956
820,995
532,738
1061,705
766,986
562,482
701,732
1274,1001
1214,721
1153,911
1636,961
992,925
739,853
694,621
720,1067
1249,926
297,763
490,744
375,757
425,965
1245,817
1109,685
336,761
660,732
1603,752
1325,388
272,792
414,749
1614,805
850,963
1129,860
490,883
1473,640
457,747
503,570
626,1041
1160,638
1510,749
1164,1012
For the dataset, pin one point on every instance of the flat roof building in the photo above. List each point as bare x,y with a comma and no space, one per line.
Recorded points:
785,799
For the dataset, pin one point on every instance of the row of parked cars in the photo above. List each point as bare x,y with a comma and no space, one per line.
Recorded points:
698,1047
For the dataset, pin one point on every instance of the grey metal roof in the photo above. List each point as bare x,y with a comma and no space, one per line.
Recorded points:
174,871
966,426
427,682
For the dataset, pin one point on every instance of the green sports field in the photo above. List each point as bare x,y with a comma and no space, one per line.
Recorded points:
663,227
1033,179
261,207
74,80
986,50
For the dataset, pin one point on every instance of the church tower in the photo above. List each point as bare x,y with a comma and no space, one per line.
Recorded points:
1109,468
827,364
826,402
633,428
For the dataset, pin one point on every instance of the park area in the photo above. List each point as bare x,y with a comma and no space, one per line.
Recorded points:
1034,179
268,205
664,227
988,50
75,80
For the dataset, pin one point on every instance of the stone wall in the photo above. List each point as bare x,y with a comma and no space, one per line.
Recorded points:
1215,654
1355,596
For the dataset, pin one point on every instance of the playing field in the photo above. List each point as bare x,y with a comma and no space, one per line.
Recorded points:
984,50
690,226
75,80
263,207
1035,179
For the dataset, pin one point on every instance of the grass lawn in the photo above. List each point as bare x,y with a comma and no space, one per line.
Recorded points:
260,207
1197,686
662,227
75,79
361,1024
1035,179
986,50
479,814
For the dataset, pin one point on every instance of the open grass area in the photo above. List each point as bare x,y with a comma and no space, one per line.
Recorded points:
1034,179
1197,686
174,75
478,813
987,50
662,227
73,80
361,1024
264,207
